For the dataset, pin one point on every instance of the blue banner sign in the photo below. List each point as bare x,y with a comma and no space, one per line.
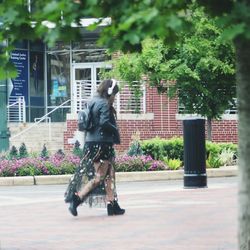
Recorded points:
20,84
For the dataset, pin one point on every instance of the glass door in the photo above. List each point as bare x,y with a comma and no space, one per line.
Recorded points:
86,79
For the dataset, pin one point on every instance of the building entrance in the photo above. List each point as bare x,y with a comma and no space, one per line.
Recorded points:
86,78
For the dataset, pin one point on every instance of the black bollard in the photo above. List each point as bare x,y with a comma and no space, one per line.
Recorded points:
194,153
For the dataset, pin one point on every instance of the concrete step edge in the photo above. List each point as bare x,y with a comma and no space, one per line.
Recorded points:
120,177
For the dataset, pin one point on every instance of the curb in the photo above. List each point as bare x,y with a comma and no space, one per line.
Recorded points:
120,177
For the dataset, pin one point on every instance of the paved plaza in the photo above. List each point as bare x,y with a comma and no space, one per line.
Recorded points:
159,215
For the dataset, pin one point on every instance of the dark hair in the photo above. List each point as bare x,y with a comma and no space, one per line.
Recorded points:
102,89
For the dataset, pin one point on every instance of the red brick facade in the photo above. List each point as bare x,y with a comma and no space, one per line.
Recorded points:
160,120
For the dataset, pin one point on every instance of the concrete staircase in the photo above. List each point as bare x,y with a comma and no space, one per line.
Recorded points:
38,135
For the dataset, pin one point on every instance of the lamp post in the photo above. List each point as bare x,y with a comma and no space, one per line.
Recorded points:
4,131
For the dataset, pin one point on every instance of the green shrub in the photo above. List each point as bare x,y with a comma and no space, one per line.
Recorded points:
153,147
23,153
13,154
217,148
213,161
131,163
28,170
128,163
159,148
44,153
173,164
77,151
51,169
135,149
212,149
55,164
230,146
174,148
67,168
227,157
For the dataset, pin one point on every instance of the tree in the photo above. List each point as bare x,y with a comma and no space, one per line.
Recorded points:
132,22
201,63
203,66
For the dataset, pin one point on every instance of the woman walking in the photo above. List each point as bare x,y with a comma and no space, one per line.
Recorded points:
94,180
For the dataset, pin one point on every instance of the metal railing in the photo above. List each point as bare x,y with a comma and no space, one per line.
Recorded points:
16,111
126,102
40,119
48,121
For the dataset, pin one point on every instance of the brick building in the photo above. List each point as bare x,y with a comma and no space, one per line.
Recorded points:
160,118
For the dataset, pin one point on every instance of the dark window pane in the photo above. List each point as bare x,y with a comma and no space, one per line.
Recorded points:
36,78
59,115
58,69
21,44
36,113
37,46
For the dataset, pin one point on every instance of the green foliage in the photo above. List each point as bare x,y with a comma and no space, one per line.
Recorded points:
135,149
128,163
227,157
44,153
67,168
204,68
173,148
128,67
13,154
77,150
217,148
201,63
131,23
159,148
51,169
213,161
153,147
30,166
212,148
230,146
28,170
23,151
173,164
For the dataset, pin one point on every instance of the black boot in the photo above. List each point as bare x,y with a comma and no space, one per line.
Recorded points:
74,204
117,209
113,208
110,209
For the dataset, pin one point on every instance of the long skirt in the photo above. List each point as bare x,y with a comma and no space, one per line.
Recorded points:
92,152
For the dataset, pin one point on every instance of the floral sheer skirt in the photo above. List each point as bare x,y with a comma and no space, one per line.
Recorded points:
94,178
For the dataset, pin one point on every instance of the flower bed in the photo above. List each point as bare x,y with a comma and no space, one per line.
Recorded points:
54,165
59,164
127,163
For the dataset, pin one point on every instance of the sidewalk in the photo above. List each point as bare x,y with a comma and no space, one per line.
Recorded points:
160,215
227,171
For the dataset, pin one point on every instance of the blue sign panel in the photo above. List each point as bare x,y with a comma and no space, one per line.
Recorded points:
20,84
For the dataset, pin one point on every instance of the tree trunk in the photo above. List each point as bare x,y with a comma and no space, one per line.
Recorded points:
209,129
243,98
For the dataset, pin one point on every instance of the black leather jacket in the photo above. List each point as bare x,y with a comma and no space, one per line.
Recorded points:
105,128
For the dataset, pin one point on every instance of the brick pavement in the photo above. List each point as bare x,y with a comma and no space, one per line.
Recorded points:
177,218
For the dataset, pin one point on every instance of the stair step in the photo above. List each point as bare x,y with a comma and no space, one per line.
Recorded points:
38,135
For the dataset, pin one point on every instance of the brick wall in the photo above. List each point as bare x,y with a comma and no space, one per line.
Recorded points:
161,122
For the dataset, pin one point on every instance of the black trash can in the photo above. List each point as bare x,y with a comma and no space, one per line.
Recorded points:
194,153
